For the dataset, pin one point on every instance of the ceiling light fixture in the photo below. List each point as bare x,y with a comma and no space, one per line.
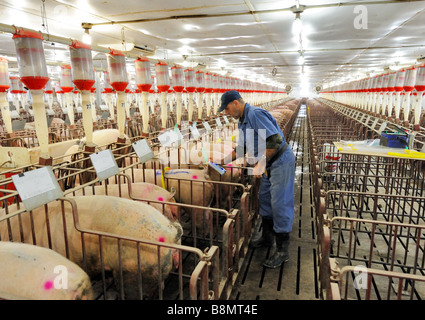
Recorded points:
86,36
301,59
297,25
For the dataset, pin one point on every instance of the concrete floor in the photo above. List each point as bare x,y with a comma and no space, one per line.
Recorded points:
296,279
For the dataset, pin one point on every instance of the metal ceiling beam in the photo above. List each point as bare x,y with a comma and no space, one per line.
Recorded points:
305,51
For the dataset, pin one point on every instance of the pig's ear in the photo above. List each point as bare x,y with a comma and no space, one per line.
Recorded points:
179,230
173,192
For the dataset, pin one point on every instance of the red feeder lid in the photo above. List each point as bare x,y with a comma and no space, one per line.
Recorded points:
67,89
84,84
144,87
161,63
35,83
79,45
119,86
113,52
23,33
142,59
4,88
178,88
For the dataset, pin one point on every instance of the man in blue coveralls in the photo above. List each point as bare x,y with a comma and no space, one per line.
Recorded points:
275,165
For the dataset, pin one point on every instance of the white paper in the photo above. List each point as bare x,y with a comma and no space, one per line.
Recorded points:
37,187
195,133
33,183
143,150
104,163
103,160
207,126
217,120
382,127
169,137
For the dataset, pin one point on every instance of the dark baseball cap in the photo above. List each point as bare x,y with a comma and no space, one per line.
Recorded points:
227,97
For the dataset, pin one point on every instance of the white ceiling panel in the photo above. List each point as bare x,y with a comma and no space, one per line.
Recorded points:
246,38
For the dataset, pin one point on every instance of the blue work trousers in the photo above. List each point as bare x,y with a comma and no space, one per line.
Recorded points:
276,194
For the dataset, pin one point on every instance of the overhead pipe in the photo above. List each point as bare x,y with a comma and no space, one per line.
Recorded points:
299,8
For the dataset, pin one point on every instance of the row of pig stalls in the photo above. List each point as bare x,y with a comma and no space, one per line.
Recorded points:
100,248
215,288
208,217
397,96
120,262
114,251
369,205
235,226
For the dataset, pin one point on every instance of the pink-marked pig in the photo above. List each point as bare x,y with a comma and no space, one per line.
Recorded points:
187,192
142,190
31,272
117,216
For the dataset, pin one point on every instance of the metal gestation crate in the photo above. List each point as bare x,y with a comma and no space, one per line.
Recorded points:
211,272
385,251
369,218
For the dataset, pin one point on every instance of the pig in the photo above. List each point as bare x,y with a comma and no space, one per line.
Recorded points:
105,137
112,215
142,190
101,138
56,150
186,192
30,272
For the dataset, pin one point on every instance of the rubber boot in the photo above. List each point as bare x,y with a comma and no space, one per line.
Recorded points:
282,251
267,237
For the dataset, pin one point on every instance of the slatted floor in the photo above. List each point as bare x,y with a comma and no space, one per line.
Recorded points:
296,279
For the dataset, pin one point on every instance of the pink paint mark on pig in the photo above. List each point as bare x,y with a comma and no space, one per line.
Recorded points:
161,239
194,177
48,285
230,165
160,199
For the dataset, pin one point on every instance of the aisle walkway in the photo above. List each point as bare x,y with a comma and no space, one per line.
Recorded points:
296,279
